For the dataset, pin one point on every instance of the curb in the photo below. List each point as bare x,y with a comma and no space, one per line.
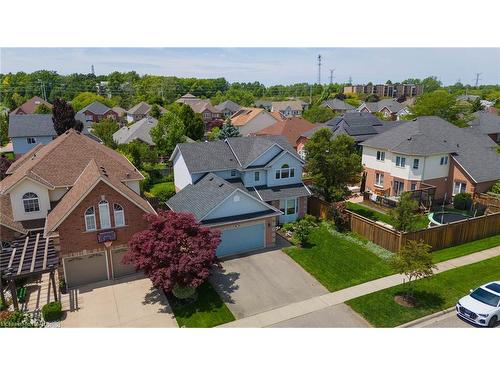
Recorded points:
415,322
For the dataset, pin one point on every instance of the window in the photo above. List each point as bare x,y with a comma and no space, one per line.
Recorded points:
444,160
379,179
459,187
257,176
413,186
400,161
289,206
104,218
285,172
31,140
233,173
119,215
302,153
206,115
90,219
30,202
399,187
415,163
381,155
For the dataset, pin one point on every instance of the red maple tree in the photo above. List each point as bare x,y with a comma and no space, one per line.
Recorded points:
174,251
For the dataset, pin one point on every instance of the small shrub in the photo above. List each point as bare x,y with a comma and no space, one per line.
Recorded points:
19,319
303,228
183,292
340,216
3,307
462,201
52,311
496,188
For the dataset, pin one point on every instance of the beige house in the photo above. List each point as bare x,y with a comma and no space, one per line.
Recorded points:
253,120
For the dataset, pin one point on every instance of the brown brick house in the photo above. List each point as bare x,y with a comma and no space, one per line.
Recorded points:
30,107
85,197
95,112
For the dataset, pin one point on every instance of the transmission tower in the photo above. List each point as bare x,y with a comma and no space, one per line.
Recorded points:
319,69
478,79
92,70
331,75
350,80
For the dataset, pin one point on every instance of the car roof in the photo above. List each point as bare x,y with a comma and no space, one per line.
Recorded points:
494,287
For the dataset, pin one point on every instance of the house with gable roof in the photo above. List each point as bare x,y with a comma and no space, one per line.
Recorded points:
81,196
95,112
30,106
241,186
140,111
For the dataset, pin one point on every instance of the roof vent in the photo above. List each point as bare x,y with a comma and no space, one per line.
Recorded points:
221,185
458,145
127,174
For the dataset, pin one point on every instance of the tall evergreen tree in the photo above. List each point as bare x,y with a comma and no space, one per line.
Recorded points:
229,130
63,117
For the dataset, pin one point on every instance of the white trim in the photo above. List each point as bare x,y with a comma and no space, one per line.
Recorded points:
271,163
260,197
232,150
242,220
51,187
230,195
465,170
267,149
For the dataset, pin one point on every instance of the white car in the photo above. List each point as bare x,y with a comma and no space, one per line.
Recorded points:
481,306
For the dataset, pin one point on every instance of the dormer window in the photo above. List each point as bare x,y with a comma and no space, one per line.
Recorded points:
285,172
30,202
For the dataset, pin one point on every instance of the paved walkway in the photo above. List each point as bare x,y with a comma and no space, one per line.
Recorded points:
294,310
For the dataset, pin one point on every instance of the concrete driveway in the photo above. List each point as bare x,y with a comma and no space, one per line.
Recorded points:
263,281
127,302
339,316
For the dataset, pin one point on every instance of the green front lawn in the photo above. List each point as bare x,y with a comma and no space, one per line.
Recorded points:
465,249
434,294
421,222
207,311
336,262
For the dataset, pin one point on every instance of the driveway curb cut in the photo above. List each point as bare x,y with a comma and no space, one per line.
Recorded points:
415,322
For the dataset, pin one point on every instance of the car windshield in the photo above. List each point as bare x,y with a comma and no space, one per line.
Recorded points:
485,297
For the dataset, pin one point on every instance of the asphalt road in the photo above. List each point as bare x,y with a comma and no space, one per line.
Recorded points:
450,320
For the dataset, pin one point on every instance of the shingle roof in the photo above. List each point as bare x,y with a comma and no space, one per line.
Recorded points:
232,153
6,215
245,115
37,126
485,122
337,105
96,108
228,104
203,197
272,193
202,105
295,105
143,108
392,104
60,162
31,105
90,176
291,128
429,135
139,130
119,111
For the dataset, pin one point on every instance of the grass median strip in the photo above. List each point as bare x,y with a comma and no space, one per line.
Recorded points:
207,311
465,249
336,262
434,294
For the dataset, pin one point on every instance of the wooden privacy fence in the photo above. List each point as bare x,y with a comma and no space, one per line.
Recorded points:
438,237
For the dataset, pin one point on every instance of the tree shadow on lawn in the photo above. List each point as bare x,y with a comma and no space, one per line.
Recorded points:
426,300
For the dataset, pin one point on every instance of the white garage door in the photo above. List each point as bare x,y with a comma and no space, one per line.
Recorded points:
241,239
85,269
120,269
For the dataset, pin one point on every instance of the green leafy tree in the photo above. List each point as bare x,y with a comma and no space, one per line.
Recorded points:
18,100
333,164
372,98
63,117
168,132
155,111
139,153
496,188
404,215
193,123
105,129
431,84
213,134
85,98
43,109
414,261
440,103
318,114
229,130
4,129
476,105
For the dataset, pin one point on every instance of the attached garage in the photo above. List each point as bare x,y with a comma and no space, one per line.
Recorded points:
242,239
120,269
85,269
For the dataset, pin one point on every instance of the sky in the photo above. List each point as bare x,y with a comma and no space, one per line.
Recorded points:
267,65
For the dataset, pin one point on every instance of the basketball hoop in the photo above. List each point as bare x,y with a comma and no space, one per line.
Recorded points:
108,244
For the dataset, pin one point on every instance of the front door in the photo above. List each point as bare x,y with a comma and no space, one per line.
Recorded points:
290,210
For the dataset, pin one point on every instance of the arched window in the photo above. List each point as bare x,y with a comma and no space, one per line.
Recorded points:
90,219
285,172
104,218
30,202
119,215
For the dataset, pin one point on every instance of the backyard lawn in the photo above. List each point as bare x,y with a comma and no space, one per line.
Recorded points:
157,189
208,310
434,294
369,213
465,249
336,262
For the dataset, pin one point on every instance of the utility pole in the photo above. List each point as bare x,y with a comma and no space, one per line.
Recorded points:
477,78
350,81
42,88
319,69
331,76
92,70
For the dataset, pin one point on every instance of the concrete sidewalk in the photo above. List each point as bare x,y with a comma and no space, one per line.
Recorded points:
307,306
